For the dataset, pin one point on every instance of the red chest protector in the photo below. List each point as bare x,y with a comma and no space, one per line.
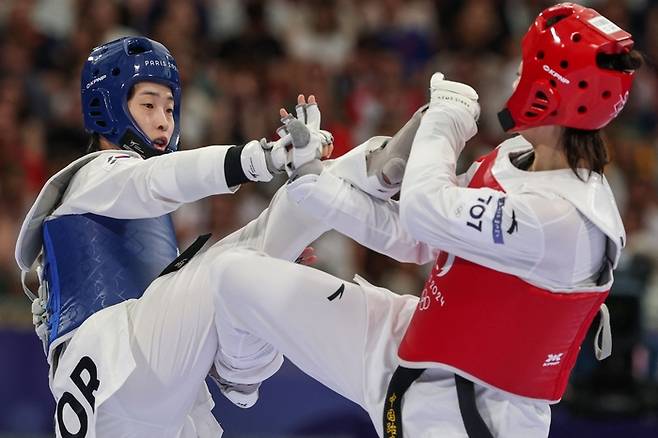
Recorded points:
496,329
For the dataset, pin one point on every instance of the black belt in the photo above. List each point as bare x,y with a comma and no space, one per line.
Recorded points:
400,383
186,255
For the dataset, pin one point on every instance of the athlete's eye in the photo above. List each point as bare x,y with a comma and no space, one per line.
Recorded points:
148,105
170,111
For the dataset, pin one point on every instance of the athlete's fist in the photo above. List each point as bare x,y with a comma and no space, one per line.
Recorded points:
450,93
309,142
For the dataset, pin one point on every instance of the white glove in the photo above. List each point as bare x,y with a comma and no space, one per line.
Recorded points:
261,160
455,94
254,160
307,140
456,100
276,152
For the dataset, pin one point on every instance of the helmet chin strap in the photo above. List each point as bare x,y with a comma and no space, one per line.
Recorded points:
133,142
506,120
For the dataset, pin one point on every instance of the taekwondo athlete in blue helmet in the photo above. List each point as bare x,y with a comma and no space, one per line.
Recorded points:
126,322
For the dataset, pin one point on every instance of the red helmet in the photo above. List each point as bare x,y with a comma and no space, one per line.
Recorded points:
562,82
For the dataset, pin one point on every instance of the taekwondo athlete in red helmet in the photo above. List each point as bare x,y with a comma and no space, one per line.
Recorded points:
523,244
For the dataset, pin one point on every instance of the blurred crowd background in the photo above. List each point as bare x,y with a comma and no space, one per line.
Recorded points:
368,62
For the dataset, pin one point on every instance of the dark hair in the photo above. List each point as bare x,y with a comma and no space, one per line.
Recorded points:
94,143
585,148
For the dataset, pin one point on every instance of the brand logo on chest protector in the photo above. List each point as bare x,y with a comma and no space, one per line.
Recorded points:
553,359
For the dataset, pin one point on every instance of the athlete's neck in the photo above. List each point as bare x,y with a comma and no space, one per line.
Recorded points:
105,144
547,145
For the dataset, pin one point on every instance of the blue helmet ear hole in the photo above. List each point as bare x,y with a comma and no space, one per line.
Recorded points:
95,113
95,102
95,72
116,71
101,123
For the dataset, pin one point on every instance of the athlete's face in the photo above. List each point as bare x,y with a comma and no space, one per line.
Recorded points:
152,108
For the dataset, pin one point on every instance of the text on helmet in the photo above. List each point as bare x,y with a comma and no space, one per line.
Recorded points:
94,81
160,63
556,75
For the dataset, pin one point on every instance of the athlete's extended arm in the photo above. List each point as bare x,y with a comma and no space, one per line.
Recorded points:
352,195
372,222
124,186
487,226
120,184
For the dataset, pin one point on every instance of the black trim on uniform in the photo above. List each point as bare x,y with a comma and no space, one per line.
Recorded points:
186,255
473,422
233,167
400,382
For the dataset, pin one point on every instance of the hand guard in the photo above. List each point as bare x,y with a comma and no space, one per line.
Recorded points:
307,140
276,152
254,159
449,93
461,99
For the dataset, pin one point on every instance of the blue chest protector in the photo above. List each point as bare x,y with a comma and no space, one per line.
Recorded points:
93,262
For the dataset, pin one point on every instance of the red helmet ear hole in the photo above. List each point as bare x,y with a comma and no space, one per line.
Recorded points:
582,109
606,94
564,63
554,113
582,84
530,114
576,37
540,54
553,83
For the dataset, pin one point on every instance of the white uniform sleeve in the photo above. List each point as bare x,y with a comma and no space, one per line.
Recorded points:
371,222
127,187
282,230
514,233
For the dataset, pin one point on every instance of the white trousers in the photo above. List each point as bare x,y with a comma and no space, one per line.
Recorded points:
347,341
137,369
240,310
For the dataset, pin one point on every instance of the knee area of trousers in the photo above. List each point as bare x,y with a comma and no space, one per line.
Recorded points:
235,269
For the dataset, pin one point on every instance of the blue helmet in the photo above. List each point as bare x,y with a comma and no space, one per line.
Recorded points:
108,76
